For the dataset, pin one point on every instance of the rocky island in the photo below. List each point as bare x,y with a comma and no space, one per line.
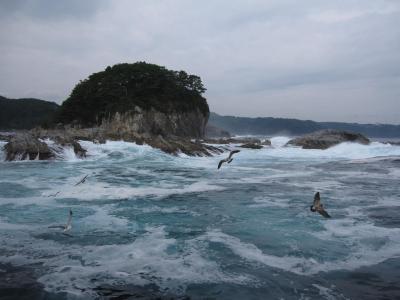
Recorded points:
139,102
324,139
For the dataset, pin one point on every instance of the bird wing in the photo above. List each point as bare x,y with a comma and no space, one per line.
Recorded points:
324,213
232,152
82,180
69,219
317,200
220,163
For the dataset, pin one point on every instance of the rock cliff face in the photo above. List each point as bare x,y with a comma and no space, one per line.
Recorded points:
151,122
324,139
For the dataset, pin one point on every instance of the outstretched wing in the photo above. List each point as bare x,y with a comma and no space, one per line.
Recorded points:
82,180
317,200
69,219
232,152
220,163
53,195
324,213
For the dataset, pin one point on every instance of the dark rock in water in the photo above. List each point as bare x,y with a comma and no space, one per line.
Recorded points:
69,141
188,147
251,146
79,151
216,132
6,136
223,141
393,143
324,139
266,143
26,146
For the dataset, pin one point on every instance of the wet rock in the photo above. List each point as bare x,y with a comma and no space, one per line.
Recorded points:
251,146
68,141
6,136
223,141
266,143
176,145
25,146
79,151
324,139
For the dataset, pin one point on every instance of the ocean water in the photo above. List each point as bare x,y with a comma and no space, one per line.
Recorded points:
146,224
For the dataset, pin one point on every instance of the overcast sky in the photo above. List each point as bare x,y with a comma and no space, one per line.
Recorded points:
336,60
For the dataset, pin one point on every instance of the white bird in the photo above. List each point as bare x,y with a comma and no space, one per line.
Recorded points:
66,227
228,159
318,207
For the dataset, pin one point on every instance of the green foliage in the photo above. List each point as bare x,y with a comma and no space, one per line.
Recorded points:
25,113
123,86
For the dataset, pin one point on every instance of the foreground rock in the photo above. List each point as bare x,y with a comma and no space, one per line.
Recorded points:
28,145
25,146
251,146
177,145
224,141
325,139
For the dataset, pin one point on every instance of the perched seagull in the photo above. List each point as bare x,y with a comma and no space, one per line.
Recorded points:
82,180
229,159
318,207
66,227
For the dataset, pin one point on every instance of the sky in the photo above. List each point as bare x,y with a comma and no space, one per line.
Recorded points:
336,60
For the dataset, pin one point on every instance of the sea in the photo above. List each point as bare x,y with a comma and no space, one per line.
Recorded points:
148,225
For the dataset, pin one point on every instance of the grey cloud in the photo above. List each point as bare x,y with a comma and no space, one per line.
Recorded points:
275,57
50,9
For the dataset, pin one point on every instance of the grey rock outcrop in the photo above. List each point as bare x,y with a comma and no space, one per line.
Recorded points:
251,146
25,146
266,143
222,141
140,122
324,139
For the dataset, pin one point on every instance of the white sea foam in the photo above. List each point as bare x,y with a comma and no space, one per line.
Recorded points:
103,220
148,259
279,141
98,191
361,256
2,153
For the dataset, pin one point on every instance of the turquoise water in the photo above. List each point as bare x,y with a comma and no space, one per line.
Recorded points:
151,223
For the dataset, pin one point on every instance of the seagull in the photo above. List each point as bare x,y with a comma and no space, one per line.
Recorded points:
82,180
229,159
66,227
318,207
54,195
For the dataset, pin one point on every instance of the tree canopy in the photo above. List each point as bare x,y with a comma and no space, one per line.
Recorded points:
123,86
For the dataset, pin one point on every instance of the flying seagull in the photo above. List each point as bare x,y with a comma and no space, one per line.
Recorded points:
54,195
229,159
82,180
318,207
66,227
